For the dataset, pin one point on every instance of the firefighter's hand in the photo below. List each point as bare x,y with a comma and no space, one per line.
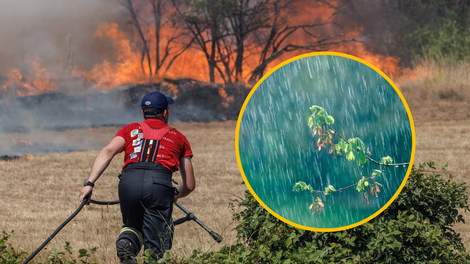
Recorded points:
86,191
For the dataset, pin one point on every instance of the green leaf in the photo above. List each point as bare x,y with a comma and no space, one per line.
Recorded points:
360,144
377,173
327,190
352,144
310,122
342,145
386,160
359,186
361,157
331,188
288,242
148,252
82,253
444,167
350,155
331,120
432,164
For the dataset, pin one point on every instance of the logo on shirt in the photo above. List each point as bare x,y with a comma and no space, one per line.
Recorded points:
140,135
137,149
135,142
134,132
133,155
167,139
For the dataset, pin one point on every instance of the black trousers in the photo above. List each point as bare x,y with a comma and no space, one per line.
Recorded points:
146,196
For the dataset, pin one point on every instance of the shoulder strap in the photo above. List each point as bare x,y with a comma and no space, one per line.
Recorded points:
154,134
150,135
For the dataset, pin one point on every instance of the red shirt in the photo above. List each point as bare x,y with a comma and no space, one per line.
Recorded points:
173,145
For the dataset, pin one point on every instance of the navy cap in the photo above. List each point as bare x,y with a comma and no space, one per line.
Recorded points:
157,101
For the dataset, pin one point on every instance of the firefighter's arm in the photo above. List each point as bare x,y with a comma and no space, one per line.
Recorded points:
189,183
102,161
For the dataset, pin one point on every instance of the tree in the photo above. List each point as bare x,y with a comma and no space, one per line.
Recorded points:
227,30
413,28
276,34
149,27
204,20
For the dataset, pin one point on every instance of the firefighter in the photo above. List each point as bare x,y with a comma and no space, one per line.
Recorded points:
153,151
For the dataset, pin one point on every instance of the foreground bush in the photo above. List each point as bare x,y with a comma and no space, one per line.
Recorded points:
8,254
415,228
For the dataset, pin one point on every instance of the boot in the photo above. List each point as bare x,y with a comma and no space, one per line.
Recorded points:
126,251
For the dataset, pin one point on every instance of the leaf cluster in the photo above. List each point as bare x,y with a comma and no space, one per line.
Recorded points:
8,254
416,228
435,29
66,257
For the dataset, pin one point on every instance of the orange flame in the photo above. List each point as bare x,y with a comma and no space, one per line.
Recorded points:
40,81
225,98
21,142
125,66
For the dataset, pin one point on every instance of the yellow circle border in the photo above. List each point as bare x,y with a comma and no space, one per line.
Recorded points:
242,111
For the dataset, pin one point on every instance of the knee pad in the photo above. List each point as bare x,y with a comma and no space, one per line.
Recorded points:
126,250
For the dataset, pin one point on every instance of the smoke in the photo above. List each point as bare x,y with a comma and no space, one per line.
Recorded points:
51,30
60,122
380,22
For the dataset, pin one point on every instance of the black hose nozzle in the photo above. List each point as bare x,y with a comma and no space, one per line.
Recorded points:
218,238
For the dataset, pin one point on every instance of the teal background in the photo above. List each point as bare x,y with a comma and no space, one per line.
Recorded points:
277,147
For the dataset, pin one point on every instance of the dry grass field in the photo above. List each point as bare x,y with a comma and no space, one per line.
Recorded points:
440,106
40,192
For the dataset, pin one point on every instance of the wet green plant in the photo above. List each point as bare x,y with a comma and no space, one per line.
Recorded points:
321,122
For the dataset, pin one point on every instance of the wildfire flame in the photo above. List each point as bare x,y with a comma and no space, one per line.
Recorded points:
21,142
225,98
39,82
125,69
125,65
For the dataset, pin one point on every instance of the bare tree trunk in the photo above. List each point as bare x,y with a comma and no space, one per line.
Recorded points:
157,14
240,38
225,59
212,57
145,48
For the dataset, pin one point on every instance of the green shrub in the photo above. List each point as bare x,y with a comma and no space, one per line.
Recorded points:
8,254
415,228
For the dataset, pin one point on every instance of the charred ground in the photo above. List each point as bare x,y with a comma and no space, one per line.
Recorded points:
194,101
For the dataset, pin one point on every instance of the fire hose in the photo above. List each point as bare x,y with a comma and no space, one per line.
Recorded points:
189,216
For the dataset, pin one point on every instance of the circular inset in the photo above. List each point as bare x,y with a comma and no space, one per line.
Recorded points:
325,141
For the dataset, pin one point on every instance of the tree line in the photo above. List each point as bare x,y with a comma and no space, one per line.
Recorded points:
229,33
241,38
